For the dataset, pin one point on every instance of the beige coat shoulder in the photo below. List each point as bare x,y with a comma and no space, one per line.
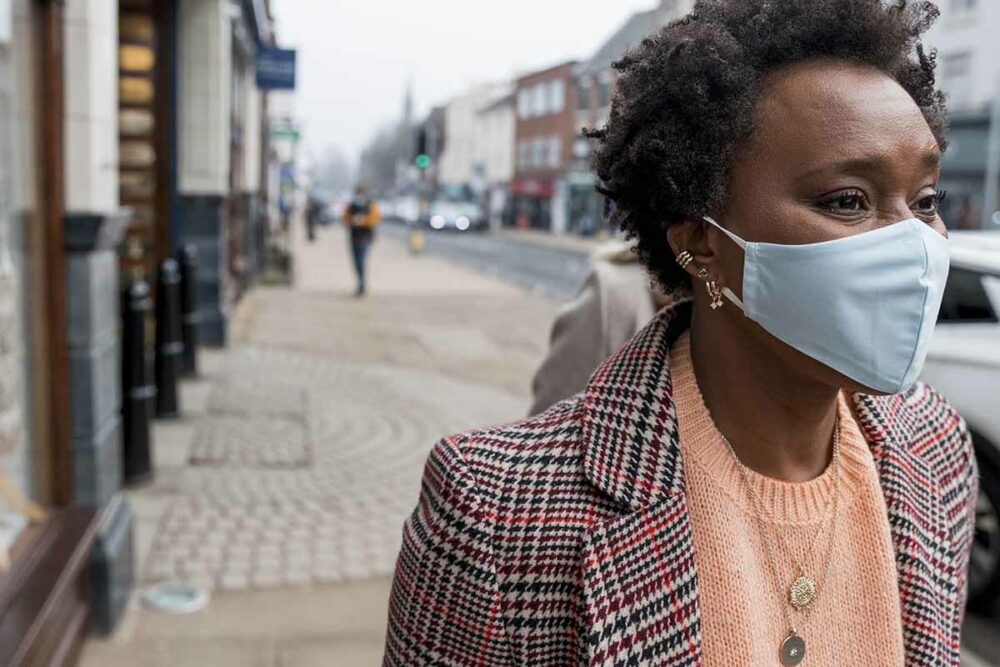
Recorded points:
613,304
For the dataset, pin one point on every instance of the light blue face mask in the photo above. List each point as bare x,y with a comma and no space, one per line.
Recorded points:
864,305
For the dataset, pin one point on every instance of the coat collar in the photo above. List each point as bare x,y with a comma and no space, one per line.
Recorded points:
632,453
630,431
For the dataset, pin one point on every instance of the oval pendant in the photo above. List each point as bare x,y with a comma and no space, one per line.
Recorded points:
803,592
793,650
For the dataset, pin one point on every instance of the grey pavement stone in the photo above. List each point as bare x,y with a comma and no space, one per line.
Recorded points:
255,399
266,579
234,581
250,442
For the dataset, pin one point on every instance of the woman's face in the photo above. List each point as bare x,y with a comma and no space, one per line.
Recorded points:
838,149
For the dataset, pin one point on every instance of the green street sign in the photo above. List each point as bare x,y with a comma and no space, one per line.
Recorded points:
285,133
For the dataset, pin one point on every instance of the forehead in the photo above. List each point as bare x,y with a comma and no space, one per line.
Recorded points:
838,110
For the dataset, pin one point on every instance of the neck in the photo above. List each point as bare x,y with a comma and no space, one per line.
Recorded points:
778,422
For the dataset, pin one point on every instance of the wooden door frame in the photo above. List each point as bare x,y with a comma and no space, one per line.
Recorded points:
57,473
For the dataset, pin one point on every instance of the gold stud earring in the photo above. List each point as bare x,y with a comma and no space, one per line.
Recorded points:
703,273
715,293
684,259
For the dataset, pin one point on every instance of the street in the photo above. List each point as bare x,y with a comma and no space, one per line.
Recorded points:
557,271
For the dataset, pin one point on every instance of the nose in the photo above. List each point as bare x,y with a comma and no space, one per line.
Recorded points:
897,210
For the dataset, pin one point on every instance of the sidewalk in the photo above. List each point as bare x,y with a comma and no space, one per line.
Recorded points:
285,485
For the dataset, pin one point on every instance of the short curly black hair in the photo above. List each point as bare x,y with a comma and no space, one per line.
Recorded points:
686,96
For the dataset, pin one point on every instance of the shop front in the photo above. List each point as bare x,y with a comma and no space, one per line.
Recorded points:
532,205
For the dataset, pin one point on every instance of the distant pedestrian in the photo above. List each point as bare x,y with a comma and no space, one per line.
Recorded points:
314,211
361,216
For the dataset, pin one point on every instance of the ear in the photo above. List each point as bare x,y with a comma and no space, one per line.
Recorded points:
694,237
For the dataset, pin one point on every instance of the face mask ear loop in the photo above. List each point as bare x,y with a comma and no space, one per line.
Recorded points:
736,239
742,244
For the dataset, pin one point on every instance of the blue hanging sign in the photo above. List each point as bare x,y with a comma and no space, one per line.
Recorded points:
275,68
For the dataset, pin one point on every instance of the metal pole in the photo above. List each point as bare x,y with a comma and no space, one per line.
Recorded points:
169,346
190,317
991,203
137,408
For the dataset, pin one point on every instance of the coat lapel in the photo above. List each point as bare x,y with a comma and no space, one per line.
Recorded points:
918,524
640,588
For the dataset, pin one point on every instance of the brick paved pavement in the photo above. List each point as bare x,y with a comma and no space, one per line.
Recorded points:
285,485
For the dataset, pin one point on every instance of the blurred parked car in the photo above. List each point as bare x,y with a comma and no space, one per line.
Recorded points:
454,215
964,364
408,209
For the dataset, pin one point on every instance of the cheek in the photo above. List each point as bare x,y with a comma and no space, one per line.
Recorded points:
731,263
939,227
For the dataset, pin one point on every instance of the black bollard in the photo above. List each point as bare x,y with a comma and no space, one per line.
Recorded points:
137,406
169,345
190,319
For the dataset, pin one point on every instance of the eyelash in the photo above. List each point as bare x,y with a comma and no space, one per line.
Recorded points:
830,202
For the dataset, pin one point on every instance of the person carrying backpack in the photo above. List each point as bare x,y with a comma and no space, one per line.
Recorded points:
361,216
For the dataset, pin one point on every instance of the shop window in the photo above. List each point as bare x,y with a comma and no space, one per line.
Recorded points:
522,153
557,96
603,94
136,58
143,216
135,121
583,93
137,184
135,28
538,152
136,154
555,151
539,100
524,103
135,90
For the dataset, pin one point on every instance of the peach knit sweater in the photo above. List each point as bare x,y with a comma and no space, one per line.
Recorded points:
856,620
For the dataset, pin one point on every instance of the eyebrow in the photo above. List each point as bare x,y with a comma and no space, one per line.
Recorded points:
929,159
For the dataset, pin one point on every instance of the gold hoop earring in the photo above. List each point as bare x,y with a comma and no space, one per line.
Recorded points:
715,293
684,259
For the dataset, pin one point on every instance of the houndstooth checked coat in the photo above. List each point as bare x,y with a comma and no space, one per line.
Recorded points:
565,539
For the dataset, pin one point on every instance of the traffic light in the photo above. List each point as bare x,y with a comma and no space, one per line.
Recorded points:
420,156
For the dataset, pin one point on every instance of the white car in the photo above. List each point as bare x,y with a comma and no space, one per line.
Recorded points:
964,364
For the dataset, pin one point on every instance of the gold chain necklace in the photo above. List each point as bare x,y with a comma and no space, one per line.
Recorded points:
804,592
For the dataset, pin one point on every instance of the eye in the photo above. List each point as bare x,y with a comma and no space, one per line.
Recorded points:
928,204
845,202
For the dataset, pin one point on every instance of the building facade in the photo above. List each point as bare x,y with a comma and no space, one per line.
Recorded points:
969,72
545,129
969,52
462,160
594,81
110,145
495,128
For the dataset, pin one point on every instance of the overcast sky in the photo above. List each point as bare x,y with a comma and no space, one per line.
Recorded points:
356,56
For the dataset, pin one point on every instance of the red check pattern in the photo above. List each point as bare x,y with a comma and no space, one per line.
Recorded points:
565,539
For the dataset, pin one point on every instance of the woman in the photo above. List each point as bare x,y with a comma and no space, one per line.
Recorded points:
755,478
